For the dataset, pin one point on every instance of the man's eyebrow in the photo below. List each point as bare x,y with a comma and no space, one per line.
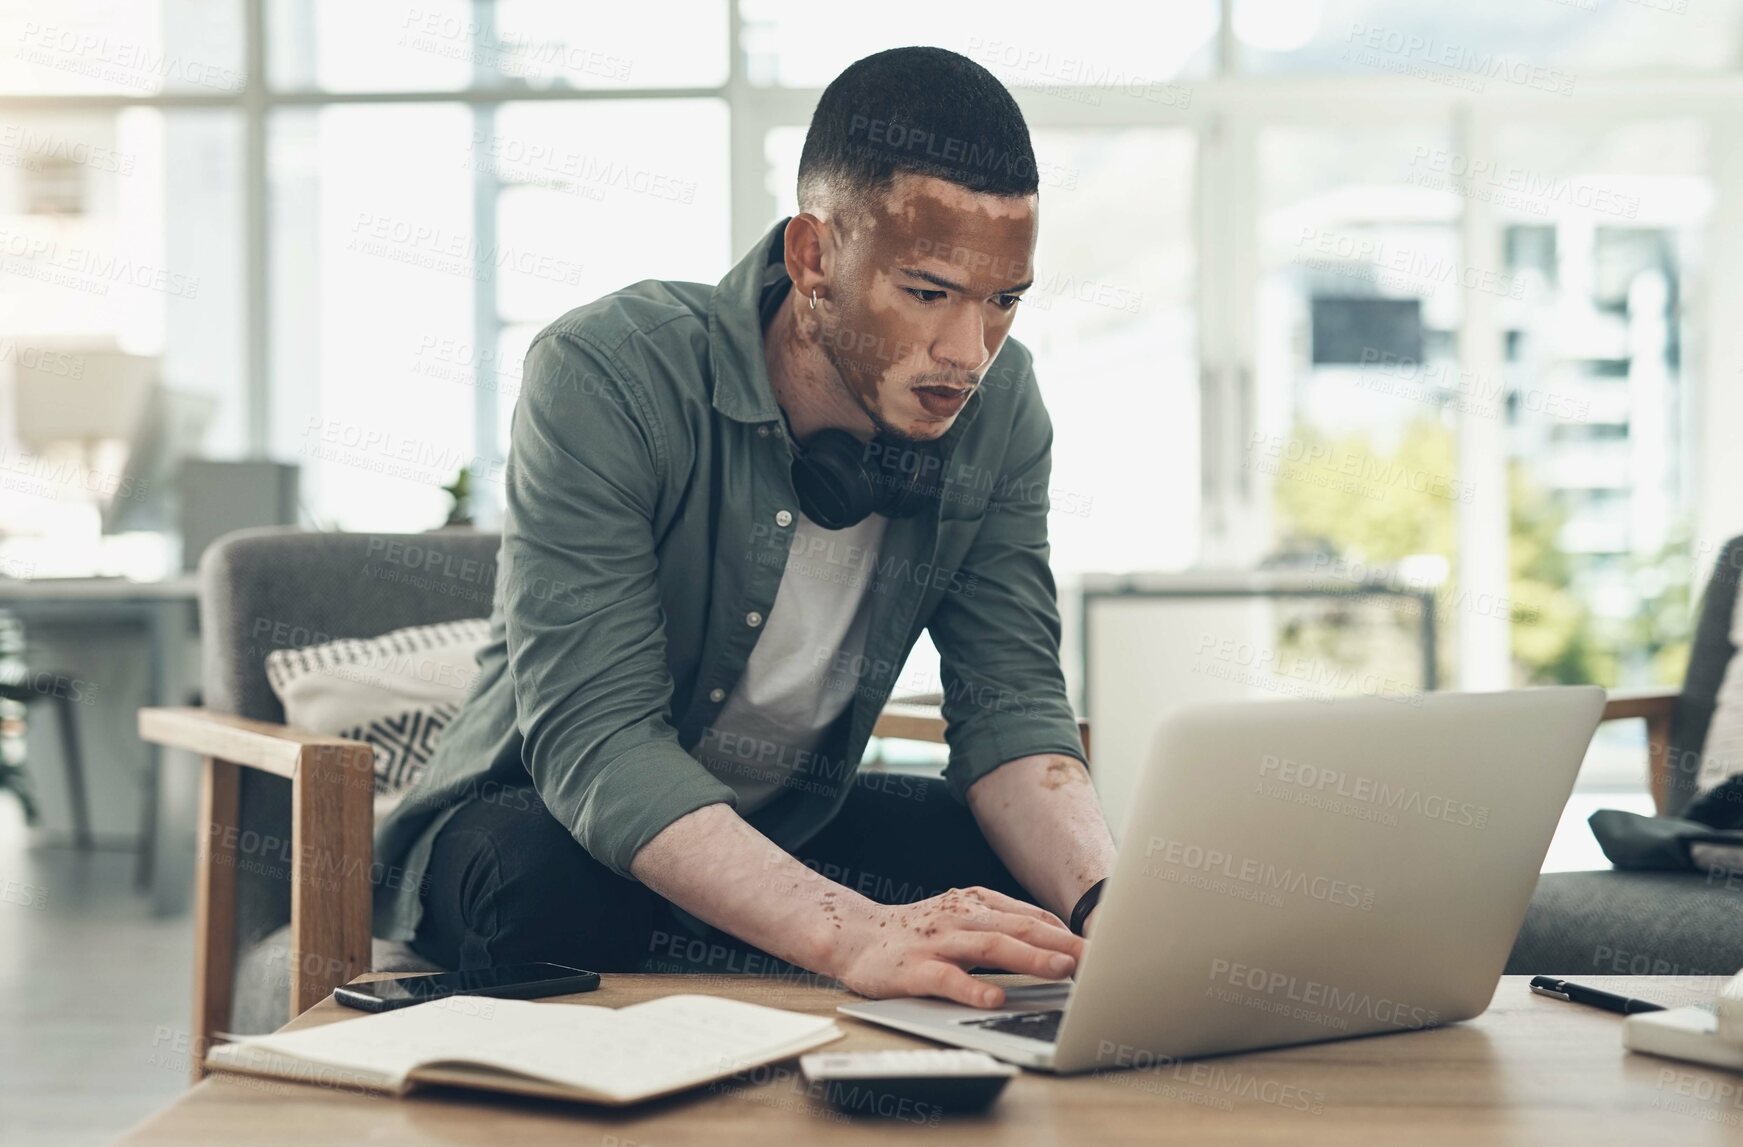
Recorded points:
941,281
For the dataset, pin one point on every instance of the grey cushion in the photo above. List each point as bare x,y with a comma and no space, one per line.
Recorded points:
1630,923
279,588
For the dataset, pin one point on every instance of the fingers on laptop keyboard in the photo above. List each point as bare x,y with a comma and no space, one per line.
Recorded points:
997,950
1037,933
939,978
999,902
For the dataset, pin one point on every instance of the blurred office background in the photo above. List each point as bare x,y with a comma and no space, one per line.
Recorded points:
1429,295
1388,344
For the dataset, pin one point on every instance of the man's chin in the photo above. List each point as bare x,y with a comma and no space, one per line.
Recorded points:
918,430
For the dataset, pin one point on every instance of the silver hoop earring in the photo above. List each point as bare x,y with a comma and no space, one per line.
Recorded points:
813,298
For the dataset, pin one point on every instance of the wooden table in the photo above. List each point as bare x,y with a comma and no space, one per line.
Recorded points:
1529,1071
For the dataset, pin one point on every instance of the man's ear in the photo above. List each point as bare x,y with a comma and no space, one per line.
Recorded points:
808,258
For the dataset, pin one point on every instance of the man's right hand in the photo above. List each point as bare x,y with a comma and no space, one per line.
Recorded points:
926,948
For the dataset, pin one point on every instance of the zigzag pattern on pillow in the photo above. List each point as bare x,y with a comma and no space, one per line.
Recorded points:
396,693
402,744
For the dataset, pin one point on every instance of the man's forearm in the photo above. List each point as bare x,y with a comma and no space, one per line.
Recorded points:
715,866
1042,817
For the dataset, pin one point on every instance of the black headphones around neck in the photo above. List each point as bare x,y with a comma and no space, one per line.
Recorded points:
841,481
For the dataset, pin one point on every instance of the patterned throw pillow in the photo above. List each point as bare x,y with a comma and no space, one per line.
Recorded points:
396,692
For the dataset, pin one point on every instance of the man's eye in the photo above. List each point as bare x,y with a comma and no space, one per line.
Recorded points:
923,294
1006,302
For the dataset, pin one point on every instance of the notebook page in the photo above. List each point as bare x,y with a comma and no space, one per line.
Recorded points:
390,1044
656,1046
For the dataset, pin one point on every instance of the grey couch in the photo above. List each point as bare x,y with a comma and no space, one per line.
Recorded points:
1616,922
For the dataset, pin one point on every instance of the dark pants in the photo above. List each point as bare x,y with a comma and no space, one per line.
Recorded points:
507,884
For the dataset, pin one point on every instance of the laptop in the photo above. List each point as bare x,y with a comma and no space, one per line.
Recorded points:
1298,871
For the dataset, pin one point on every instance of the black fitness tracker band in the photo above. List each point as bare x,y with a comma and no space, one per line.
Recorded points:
1085,905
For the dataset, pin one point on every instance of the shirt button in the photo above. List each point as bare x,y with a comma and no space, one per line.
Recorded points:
717,695
753,619
784,518
762,432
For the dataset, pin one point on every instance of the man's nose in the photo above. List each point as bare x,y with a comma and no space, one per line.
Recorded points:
962,342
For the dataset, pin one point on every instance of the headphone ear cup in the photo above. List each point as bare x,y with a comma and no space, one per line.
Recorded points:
835,488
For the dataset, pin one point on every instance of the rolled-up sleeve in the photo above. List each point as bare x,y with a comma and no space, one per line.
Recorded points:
586,634
998,646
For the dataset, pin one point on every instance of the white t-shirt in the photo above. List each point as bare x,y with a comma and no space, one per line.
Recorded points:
794,687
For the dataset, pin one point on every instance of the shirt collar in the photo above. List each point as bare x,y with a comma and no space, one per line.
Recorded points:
742,390
735,330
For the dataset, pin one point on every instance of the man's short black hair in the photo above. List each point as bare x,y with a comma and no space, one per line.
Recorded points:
919,109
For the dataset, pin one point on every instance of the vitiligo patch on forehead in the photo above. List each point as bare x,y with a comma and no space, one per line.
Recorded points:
910,194
990,237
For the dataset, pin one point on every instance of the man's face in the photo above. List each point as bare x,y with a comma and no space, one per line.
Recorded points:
923,298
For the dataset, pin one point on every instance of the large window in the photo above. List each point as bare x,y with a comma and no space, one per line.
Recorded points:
1477,254
1606,234
424,244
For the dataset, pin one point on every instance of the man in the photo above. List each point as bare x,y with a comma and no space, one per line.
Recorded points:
685,663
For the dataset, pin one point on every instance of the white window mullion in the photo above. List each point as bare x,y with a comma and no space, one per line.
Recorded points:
1484,635
257,228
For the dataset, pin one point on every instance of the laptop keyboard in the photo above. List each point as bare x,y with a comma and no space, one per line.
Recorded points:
1043,1026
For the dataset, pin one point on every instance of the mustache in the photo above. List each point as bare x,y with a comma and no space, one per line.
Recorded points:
927,382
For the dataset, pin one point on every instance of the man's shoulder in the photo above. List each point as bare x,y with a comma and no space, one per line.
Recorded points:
644,346
665,309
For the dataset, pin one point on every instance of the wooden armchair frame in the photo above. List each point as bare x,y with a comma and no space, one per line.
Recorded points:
332,846
1657,708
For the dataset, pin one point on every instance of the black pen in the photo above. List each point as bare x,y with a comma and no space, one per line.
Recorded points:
1579,994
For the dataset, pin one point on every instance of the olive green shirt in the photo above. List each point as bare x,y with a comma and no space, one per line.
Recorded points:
650,505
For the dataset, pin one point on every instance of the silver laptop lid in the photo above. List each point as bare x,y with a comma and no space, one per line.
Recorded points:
1296,871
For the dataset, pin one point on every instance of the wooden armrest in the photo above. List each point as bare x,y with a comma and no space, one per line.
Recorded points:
909,722
1657,707
332,810
1625,703
261,745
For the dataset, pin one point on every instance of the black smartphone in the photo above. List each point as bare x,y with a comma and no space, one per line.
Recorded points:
507,981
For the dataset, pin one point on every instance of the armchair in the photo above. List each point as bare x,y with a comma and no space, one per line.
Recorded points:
282,892
1613,922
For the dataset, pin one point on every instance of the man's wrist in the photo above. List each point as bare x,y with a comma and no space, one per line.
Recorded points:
1085,907
832,930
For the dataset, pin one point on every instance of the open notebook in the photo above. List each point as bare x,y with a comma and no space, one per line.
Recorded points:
560,1051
